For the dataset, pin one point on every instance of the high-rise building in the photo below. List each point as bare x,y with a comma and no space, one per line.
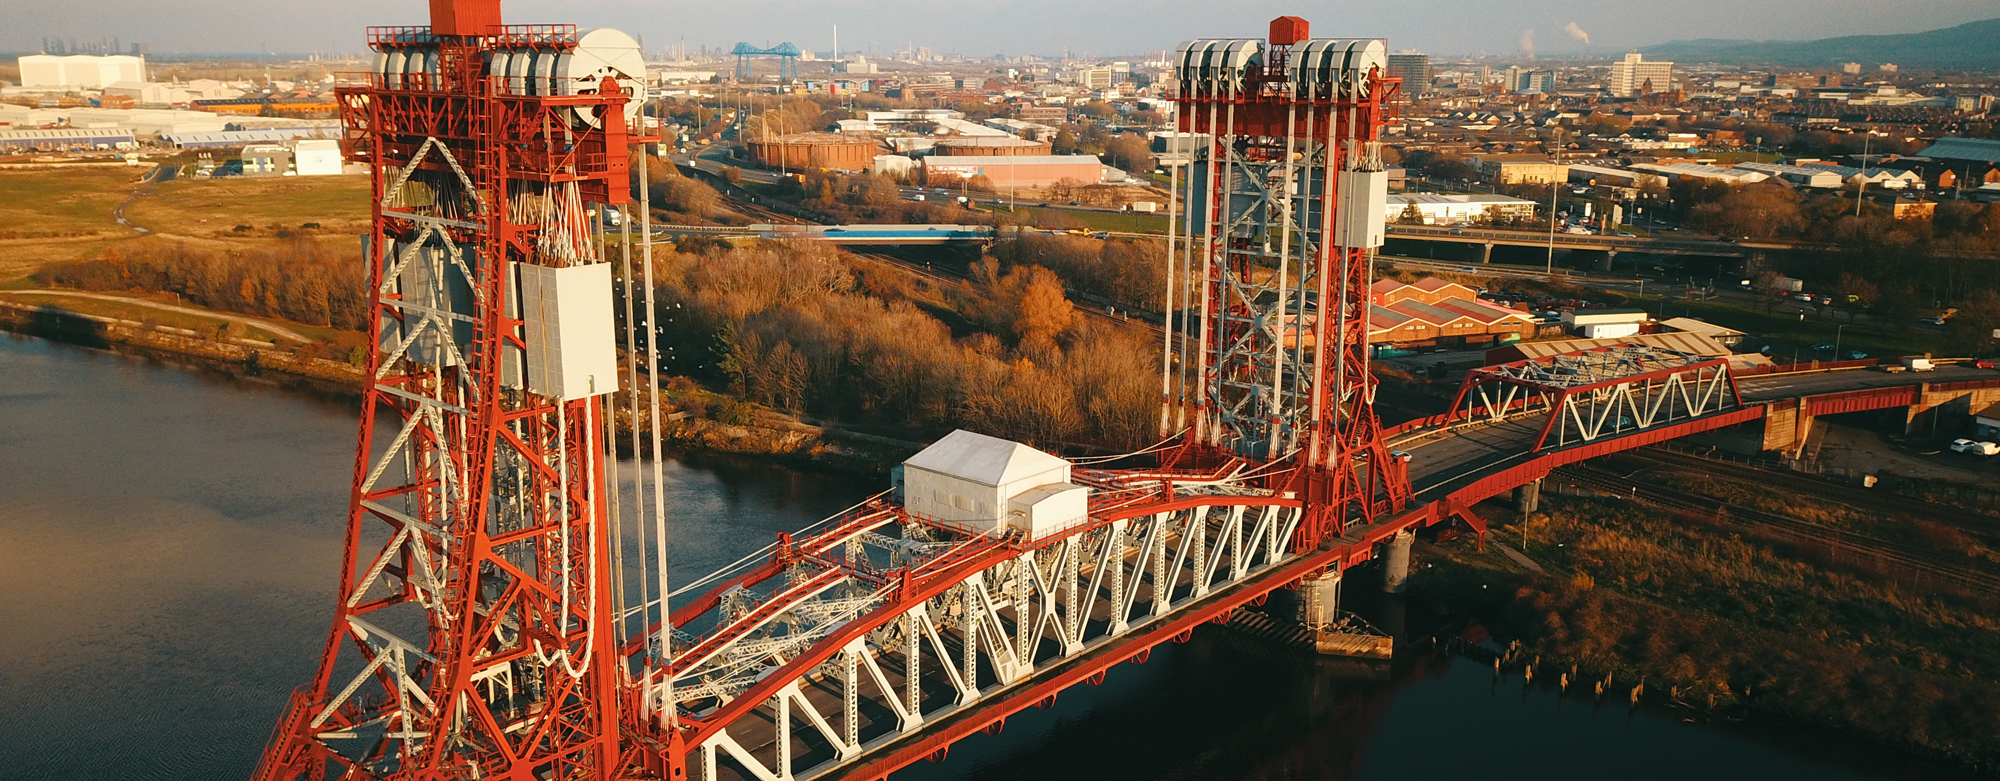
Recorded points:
1633,76
1851,68
1414,68
1519,79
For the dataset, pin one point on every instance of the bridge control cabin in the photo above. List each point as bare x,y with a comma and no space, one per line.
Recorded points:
986,485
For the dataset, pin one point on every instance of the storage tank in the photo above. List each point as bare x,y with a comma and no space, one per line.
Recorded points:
992,146
815,150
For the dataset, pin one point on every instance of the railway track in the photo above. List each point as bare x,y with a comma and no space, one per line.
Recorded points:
1859,498
1843,546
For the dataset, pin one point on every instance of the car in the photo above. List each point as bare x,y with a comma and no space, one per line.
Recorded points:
1075,203
1623,234
1931,320
1985,363
1045,203
1457,231
1853,355
1822,347
1466,269
1101,235
1975,447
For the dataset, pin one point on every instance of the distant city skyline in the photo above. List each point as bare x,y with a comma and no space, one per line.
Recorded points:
1021,27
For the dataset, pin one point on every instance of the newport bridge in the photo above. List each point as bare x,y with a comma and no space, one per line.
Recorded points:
493,619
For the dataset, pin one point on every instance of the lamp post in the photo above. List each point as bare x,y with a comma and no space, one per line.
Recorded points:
1837,331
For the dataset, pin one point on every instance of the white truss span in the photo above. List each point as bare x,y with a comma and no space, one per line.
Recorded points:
865,662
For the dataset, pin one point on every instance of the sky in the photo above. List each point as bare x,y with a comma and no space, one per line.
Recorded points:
1556,28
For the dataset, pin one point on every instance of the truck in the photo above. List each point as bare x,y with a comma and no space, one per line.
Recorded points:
1143,207
1918,363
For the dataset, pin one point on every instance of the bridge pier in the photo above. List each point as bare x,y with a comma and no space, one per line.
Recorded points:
1319,600
1396,565
1486,253
1610,257
1528,496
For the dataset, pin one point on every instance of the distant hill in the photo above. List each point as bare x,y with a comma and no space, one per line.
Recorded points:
1972,46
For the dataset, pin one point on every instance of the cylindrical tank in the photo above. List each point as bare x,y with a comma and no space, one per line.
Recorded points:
806,151
1396,565
992,146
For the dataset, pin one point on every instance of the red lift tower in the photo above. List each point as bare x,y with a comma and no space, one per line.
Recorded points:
1272,245
475,635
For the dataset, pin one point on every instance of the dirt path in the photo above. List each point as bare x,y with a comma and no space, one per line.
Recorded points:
277,330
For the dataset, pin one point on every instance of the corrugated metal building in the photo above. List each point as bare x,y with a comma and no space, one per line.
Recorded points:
67,138
223,138
1432,310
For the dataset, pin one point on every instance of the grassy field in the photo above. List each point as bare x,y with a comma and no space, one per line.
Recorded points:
214,207
53,216
64,203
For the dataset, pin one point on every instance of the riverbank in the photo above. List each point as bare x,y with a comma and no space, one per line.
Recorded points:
696,420
1705,616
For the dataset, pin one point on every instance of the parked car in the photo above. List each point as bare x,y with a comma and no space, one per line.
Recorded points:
1985,363
1975,447
1853,355
1623,234
1466,269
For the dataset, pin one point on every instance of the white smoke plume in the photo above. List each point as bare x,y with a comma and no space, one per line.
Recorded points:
1528,43
1577,33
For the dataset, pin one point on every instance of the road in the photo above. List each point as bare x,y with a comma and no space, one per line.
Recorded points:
266,325
1785,386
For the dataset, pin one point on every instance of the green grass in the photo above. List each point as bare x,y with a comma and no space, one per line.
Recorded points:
216,206
74,202
1120,222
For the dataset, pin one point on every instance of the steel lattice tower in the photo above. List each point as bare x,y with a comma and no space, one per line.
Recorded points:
476,633
1282,211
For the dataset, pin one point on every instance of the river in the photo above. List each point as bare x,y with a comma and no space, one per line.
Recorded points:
169,538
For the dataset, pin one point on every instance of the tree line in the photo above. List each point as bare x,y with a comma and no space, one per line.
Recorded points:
793,326
301,279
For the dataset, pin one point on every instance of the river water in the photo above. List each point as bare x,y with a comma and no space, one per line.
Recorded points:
169,539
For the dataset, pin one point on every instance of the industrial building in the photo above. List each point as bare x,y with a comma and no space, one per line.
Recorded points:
1433,311
990,146
1456,209
1015,172
1818,176
1520,169
232,138
1634,76
64,139
1700,171
79,71
807,151
304,157
1605,323
1600,176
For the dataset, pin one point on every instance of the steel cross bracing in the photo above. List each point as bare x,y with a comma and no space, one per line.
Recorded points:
1272,361
860,635
1591,394
475,630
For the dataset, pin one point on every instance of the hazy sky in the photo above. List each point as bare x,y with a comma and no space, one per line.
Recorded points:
986,27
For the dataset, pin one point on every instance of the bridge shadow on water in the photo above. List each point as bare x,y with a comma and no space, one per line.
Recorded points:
1227,706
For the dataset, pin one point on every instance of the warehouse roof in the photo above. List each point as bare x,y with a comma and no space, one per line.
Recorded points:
1964,149
1007,160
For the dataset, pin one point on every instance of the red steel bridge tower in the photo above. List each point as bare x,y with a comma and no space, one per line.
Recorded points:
476,629
1282,212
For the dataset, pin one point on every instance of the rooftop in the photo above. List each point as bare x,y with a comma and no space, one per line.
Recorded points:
986,460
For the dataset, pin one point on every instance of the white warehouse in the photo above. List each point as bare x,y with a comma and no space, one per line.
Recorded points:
987,485
79,71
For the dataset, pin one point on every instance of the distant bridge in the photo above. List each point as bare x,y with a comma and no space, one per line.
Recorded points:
1487,239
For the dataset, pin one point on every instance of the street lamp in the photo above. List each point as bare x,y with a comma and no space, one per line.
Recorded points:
1836,340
